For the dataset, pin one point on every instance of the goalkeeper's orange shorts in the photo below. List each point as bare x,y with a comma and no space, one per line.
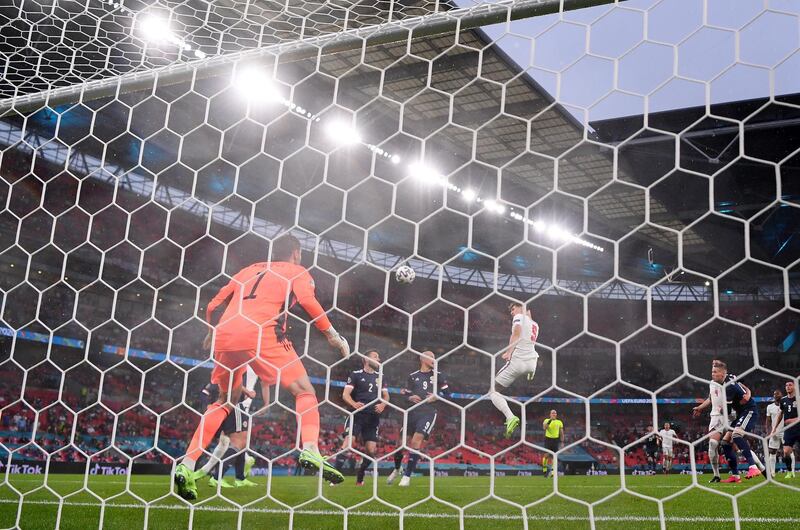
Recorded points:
276,363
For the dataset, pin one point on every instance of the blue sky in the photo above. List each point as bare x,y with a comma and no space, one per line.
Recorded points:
648,55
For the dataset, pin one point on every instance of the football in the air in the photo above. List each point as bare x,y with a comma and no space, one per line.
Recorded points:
405,274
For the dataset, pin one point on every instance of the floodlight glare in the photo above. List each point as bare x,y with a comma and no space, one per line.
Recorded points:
256,85
395,159
154,28
556,232
425,174
494,206
343,133
469,195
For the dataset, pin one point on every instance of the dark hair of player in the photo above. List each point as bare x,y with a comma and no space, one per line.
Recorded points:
719,364
512,305
365,359
284,247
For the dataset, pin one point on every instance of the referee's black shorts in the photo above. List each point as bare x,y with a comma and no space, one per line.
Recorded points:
552,444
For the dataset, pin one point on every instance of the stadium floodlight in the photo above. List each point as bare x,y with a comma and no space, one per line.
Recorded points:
556,232
426,174
254,84
469,194
343,133
493,206
395,159
154,28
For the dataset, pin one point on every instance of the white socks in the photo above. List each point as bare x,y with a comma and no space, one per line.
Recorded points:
759,464
218,453
772,460
189,463
713,456
500,402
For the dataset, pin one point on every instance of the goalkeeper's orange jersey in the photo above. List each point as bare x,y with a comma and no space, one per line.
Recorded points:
255,302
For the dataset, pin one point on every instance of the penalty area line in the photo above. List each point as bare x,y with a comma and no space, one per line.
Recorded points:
417,515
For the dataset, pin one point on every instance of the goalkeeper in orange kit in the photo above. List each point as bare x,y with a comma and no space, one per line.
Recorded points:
252,331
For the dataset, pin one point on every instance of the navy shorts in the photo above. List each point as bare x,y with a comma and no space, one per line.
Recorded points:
746,421
791,435
551,444
421,422
235,422
364,426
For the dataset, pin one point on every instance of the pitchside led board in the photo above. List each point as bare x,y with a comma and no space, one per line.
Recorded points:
517,236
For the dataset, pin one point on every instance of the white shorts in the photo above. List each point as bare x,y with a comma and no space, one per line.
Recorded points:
776,442
667,451
514,369
717,424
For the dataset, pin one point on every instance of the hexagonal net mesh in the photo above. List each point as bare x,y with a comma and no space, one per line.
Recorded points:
547,219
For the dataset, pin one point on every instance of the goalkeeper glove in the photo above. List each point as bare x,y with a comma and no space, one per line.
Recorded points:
337,341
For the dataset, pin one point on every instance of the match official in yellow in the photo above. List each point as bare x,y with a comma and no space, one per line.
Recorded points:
553,436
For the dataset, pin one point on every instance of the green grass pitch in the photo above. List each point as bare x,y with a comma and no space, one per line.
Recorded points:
109,502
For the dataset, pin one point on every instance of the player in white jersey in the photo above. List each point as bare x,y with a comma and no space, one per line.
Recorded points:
520,358
774,423
667,437
716,426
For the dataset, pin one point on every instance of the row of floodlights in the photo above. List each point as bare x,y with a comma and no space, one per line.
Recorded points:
257,87
155,29
428,176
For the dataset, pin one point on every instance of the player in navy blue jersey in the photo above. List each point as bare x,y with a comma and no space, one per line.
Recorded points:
421,390
365,394
791,427
744,405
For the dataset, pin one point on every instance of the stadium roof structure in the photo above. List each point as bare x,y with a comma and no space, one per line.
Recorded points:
141,151
49,45
98,42
746,145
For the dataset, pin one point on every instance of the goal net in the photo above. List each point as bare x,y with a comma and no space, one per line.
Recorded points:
628,173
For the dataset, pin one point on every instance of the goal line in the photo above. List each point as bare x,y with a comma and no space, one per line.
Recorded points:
418,515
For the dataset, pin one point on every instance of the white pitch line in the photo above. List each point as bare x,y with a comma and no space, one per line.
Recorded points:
51,481
563,486
417,515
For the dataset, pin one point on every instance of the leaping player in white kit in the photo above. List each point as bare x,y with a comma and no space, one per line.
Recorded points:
520,357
